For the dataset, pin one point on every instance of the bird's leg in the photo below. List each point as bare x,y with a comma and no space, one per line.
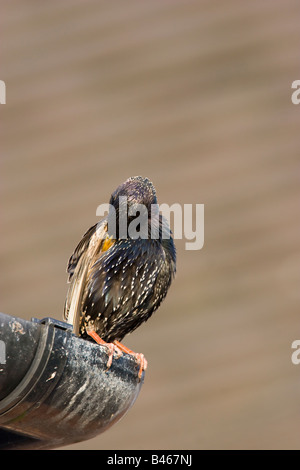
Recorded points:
140,358
112,348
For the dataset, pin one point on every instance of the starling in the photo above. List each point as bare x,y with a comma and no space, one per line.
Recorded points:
118,280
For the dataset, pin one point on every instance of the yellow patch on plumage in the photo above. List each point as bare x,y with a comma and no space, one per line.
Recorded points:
107,243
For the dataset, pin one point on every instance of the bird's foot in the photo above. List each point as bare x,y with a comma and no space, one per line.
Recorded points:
111,347
139,357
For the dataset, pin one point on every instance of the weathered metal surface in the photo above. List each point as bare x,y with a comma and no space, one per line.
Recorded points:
55,388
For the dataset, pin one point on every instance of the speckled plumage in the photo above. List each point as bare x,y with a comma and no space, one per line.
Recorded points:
116,284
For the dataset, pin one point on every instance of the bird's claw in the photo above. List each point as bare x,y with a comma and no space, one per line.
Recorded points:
139,357
142,362
112,349
118,349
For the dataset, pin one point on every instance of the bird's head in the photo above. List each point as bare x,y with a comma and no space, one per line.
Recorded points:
137,190
136,195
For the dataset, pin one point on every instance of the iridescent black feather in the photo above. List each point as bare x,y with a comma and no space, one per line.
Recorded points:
116,284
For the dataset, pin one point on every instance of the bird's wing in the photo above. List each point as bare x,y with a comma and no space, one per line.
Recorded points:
80,249
77,269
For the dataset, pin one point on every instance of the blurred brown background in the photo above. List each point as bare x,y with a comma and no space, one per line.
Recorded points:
196,95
